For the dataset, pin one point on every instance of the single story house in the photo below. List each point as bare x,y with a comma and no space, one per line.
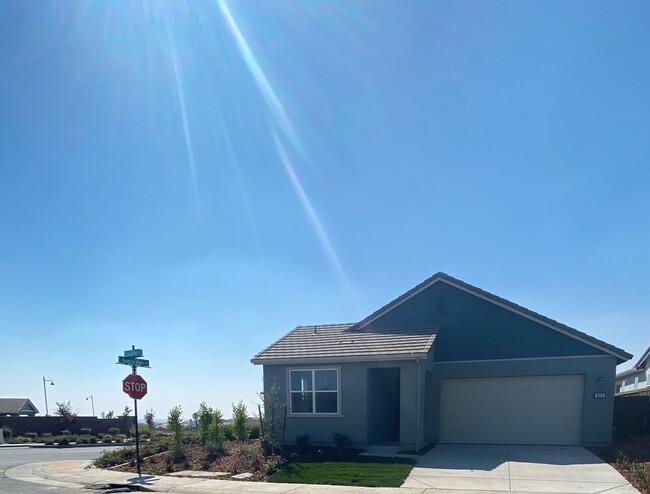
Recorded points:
637,378
446,362
15,407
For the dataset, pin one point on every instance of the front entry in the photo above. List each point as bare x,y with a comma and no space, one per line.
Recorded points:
383,405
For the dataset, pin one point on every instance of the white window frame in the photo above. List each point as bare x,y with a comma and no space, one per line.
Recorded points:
313,371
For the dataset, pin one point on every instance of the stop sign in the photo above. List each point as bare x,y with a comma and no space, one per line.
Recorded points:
134,386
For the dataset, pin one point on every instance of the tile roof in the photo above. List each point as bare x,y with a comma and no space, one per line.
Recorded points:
621,354
334,341
15,406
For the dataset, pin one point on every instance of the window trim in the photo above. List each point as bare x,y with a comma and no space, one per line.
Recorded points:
313,370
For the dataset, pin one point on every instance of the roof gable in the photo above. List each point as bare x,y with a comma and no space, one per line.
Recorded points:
16,406
620,354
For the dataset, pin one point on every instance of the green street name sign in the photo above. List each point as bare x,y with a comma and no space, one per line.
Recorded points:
136,352
138,362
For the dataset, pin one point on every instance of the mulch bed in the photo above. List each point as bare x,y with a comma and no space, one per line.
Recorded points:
635,448
236,458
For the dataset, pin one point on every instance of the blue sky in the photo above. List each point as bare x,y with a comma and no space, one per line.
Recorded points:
198,178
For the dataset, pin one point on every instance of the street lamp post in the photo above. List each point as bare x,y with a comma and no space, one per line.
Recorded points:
45,393
92,403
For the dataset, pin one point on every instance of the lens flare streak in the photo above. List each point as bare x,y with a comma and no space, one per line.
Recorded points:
316,224
266,89
186,126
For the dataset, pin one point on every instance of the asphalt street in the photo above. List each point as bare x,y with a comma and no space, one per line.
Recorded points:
11,457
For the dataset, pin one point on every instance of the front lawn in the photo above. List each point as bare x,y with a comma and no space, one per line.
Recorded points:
366,471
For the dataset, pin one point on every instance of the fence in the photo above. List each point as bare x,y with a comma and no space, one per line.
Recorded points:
632,414
54,425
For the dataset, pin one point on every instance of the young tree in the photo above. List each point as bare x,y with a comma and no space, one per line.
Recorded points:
239,421
65,411
209,428
109,415
271,421
175,426
127,411
148,418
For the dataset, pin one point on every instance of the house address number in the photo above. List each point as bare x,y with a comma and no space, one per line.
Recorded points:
600,395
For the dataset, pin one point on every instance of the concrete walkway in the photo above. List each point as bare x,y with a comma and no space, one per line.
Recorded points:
445,469
498,468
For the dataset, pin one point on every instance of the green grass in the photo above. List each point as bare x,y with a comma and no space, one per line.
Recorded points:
366,471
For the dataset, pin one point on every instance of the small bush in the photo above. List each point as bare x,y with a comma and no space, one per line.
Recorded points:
249,456
64,441
93,440
302,441
65,432
342,441
114,430
86,431
83,440
273,466
228,432
254,432
46,434
31,435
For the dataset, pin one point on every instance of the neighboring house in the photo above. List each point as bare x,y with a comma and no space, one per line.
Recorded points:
637,378
15,407
445,363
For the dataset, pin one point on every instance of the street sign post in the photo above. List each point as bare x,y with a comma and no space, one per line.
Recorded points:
136,387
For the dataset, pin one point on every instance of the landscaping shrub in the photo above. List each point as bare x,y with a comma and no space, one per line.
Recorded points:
31,435
64,441
114,430
341,440
254,432
302,441
248,456
228,432
65,432
86,431
46,434
93,440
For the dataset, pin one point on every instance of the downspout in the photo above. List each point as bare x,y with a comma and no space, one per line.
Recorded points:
417,416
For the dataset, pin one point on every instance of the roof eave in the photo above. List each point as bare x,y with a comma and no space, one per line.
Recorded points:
334,359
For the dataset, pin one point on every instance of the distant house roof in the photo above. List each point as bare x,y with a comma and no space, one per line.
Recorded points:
638,367
17,406
335,342
622,355
641,363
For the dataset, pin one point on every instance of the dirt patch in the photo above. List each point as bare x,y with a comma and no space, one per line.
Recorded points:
235,458
637,449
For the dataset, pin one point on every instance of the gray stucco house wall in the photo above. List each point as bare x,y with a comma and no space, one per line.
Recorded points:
637,378
445,362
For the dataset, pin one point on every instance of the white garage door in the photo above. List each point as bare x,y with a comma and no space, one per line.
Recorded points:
512,410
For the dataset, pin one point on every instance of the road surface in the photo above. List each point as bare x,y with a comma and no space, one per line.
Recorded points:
12,457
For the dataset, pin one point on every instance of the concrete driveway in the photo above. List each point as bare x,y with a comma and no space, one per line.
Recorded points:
545,469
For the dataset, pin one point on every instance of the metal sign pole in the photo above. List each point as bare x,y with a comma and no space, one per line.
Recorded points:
137,436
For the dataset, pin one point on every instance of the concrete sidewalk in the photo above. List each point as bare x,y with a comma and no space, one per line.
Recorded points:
451,469
74,474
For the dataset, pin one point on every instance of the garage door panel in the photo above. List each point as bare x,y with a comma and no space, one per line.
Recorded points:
512,410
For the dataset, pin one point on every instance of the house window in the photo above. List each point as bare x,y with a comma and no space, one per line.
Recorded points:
314,390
